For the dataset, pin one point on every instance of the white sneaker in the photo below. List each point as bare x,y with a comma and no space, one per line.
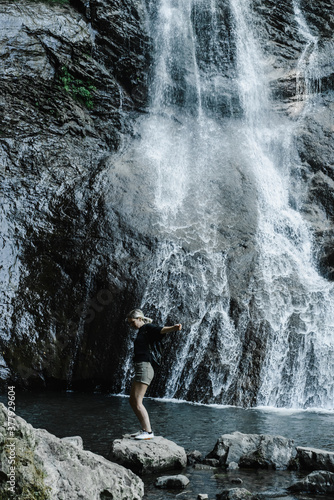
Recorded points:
145,435
136,434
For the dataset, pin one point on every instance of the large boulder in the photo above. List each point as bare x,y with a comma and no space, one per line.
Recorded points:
316,482
154,455
46,466
314,459
254,450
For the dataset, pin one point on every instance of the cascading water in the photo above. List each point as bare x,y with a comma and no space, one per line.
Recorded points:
181,148
290,294
194,156
308,82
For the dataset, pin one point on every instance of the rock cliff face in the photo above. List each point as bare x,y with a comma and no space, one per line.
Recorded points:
59,246
86,235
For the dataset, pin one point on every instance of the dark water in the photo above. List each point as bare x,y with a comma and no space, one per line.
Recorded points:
100,419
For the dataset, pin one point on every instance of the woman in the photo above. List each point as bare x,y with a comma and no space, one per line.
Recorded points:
148,335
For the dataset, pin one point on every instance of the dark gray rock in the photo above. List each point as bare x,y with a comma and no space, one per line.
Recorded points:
174,482
235,494
193,457
201,466
155,455
254,450
317,482
314,459
52,152
318,16
213,462
236,480
123,43
266,495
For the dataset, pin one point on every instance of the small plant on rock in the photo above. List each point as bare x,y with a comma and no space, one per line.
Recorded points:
81,91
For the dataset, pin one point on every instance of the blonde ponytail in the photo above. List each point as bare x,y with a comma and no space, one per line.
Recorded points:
138,313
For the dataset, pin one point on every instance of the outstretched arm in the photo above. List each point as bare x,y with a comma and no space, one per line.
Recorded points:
169,329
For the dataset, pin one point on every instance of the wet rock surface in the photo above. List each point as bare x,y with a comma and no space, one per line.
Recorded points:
154,455
235,494
321,482
254,451
79,242
63,111
313,459
46,466
172,482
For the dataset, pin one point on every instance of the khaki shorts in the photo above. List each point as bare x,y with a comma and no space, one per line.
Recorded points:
144,372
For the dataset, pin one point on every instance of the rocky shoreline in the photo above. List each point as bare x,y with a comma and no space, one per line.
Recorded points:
50,467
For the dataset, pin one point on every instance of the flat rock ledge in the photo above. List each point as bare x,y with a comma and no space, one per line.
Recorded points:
155,455
314,459
254,451
49,467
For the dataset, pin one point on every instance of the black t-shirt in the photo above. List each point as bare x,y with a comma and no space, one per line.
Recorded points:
147,335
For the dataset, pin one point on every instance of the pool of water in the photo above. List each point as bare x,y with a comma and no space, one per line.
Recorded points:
99,419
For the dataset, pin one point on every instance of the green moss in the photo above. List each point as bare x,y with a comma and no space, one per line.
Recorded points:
36,489
29,472
36,492
80,91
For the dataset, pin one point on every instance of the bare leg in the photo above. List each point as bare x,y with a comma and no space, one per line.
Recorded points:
136,401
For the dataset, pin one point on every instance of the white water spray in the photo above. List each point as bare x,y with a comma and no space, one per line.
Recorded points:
190,153
289,293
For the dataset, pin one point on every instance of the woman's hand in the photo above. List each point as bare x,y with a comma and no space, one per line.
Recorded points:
169,329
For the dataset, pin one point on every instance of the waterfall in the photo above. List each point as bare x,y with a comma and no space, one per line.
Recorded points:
195,157
308,81
289,293
181,148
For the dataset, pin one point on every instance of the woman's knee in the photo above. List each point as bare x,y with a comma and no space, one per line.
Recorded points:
135,403
138,408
